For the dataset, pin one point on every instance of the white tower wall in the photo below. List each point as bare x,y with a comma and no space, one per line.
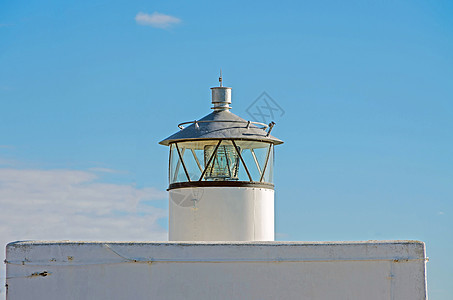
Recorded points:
221,214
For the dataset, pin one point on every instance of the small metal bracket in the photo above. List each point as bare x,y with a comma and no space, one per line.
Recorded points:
271,125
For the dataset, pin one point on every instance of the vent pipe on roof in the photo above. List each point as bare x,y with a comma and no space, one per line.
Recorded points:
221,98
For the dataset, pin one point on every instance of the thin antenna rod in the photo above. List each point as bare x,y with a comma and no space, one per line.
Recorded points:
220,78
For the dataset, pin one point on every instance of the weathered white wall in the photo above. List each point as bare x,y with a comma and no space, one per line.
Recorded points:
265,270
221,214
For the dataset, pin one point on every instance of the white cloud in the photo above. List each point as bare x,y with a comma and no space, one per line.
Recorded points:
104,170
156,19
72,205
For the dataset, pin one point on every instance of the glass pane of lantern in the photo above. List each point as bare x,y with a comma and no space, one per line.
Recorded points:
192,161
177,173
224,164
255,155
173,161
252,165
268,174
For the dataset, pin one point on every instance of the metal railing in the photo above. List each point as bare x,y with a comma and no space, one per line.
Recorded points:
264,126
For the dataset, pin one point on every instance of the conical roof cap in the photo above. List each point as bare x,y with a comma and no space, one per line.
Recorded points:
221,124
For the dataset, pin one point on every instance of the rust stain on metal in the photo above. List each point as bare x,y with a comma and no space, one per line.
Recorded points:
400,260
40,274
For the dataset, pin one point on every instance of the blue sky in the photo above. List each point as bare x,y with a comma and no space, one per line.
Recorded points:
88,88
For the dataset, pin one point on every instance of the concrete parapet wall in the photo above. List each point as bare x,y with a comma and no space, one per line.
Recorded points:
222,270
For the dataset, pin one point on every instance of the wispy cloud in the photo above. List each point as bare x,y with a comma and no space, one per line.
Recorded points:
103,170
70,204
156,20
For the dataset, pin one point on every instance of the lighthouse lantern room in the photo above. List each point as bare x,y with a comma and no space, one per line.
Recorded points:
220,177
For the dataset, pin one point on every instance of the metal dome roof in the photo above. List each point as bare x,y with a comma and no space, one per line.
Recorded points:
222,124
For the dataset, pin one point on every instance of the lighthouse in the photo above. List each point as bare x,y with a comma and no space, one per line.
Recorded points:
220,189
221,176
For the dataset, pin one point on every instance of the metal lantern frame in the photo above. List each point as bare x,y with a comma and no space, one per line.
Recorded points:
204,169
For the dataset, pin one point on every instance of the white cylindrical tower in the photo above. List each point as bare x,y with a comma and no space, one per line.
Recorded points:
220,177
